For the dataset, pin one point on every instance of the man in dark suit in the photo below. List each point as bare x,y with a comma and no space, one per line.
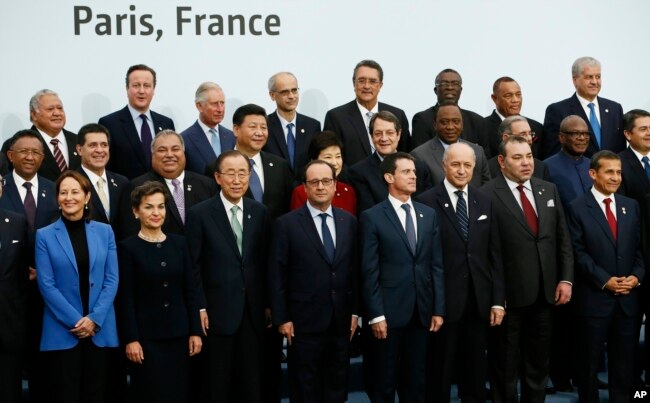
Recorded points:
508,99
4,164
313,269
402,283
605,229
538,271
228,234
14,251
48,117
186,188
474,287
350,121
132,128
366,176
207,138
516,125
449,126
289,131
448,88
604,117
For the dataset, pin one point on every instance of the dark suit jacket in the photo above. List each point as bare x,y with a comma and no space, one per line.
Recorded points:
46,204
432,151
197,189
611,125
598,256
127,154
539,170
304,287
391,272
491,124
230,282
526,257
423,131
473,266
4,164
198,151
368,182
347,122
635,182
117,184
305,129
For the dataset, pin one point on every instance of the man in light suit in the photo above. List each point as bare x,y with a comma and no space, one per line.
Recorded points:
604,117
228,234
449,126
207,138
474,285
14,251
289,143
605,229
402,283
313,269
133,127
350,121
538,271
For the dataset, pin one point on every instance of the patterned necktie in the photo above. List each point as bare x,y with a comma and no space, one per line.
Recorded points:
58,156
328,242
595,126
255,184
179,198
611,220
216,143
461,214
236,227
410,227
646,166
529,211
103,197
30,205
369,116
145,139
291,144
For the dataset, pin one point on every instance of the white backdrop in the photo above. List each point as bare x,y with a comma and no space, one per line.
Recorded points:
534,41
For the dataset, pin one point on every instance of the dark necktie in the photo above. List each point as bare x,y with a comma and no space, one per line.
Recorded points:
595,126
255,183
30,205
461,214
328,242
145,138
529,211
410,228
291,144
646,166
58,156
611,220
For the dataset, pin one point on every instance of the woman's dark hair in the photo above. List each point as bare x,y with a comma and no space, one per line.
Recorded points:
321,141
147,189
83,182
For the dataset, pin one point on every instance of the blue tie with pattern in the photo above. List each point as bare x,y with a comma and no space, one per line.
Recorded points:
595,126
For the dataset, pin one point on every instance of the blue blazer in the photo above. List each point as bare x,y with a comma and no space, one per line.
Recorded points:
58,280
198,151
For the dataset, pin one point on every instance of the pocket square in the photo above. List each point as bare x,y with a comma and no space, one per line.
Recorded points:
483,217
15,241
550,203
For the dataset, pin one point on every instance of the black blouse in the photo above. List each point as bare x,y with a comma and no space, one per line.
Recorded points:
77,234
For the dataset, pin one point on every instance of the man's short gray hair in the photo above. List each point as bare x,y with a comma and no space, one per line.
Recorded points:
274,77
200,95
581,63
33,101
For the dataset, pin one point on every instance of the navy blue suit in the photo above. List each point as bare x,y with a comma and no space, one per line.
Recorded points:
127,155
601,315
635,181
46,205
611,125
571,176
198,151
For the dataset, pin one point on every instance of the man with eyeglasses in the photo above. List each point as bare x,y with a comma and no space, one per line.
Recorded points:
289,131
350,121
134,126
207,138
517,126
448,87
313,288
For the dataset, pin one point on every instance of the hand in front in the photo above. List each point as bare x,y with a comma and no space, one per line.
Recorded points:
496,316
205,323
354,322
436,323
286,329
84,328
195,345
134,352
380,329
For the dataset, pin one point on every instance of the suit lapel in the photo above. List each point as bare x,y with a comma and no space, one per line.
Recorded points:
541,202
64,240
222,224
11,192
278,134
356,121
446,205
504,194
247,231
171,204
301,137
309,226
474,209
128,126
605,123
623,228
199,138
637,168
599,216
93,243
392,217
113,198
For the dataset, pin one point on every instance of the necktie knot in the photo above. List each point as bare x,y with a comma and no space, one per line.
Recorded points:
328,241
607,201
251,162
459,193
143,117
591,105
323,216
406,208
54,142
28,186
290,127
234,209
645,159
176,182
520,188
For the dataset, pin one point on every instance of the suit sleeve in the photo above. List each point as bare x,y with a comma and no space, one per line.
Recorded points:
371,293
437,271
364,194
550,144
496,261
585,262
563,238
191,290
332,123
405,137
194,237
128,324
421,131
106,297
278,272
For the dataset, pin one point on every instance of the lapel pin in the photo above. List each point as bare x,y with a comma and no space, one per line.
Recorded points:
113,182
421,215
270,164
75,154
446,205
338,194
159,128
623,210
248,216
345,188
302,130
6,220
189,188
43,194
606,110
539,193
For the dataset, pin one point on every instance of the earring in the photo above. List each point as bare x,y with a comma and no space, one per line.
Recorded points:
136,217
86,206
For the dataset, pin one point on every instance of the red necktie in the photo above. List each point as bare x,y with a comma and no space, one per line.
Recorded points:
611,220
529,211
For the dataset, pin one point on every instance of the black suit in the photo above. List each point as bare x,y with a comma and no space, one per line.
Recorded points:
473,284
491,124
539,170
233,290
635,181
305,129
347,122
117,184
4,164
533,266
319,297
13,302
424,121
128,156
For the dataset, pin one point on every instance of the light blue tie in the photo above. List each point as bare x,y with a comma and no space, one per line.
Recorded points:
595,126
216,143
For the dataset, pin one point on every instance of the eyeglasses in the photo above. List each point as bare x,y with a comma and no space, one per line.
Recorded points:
524,134
451,84
325,181
370,81
285,93
577,134
241,175
25,152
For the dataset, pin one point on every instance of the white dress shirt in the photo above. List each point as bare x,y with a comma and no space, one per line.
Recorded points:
22,191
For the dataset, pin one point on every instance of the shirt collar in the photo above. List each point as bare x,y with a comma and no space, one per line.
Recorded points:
93,176
316,212
363,109
19,180
499,114
47,138
513,185
136,115
585,102
207,128
600,197
397,204
451,189
228,205
285,122
638,154
180,178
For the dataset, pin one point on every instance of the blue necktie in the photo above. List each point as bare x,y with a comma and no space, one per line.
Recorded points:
216,143
461,214
410,228
328,242
255,183
646,166
145,138
291,144
595,126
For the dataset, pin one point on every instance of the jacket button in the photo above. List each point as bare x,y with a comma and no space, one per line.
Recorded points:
166,304
165,283
163,264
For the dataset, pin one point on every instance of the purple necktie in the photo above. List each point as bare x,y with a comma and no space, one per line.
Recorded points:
30,205
145,138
